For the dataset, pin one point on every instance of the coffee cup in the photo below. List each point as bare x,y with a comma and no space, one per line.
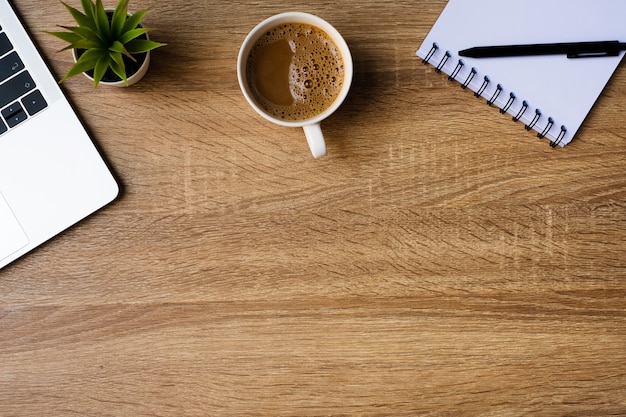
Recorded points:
295,70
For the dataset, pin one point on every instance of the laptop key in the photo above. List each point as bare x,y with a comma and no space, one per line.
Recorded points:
10,65
14,114
34,102
5,44
16,87
3,128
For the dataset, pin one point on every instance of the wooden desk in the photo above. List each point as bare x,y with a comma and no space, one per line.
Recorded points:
440,261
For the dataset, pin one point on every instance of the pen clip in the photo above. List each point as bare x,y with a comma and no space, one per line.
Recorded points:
592,54
594,49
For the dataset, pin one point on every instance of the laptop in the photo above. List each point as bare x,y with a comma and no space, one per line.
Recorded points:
51,174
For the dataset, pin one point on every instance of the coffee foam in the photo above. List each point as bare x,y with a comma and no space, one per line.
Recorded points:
315,75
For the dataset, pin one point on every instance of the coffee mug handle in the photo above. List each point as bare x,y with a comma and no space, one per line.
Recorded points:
315,138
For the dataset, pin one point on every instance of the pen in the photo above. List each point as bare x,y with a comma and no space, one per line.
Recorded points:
571,49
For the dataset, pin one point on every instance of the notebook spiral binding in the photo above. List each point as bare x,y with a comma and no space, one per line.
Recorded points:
491,101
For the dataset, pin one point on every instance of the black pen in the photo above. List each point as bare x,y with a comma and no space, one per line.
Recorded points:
571,49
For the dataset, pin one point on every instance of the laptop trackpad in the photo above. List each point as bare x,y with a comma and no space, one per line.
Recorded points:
12,236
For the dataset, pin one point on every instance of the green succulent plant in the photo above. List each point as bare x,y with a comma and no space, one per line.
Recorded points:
105,39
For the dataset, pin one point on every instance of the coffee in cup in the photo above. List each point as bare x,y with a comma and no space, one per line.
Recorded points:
295,69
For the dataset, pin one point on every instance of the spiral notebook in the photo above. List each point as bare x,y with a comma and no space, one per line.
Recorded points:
549,94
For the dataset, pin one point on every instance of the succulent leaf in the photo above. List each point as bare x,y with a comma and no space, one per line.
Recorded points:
119,19
117,65
86,62
80,18
132,34
89,8
100,69
134,20
138,46
102,22
68,37
119,48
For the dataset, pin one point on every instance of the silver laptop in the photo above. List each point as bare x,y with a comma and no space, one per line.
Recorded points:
51,175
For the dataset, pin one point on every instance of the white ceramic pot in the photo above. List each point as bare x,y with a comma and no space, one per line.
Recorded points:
134,78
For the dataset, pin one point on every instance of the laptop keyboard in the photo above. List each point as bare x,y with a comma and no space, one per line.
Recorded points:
19,96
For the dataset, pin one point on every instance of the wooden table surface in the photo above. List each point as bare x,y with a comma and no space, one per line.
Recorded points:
440,261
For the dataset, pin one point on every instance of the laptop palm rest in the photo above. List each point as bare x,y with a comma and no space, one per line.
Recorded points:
12,236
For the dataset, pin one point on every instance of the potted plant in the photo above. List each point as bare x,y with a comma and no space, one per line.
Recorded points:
108,45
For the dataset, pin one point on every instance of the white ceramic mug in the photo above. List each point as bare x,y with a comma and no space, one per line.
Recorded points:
311,126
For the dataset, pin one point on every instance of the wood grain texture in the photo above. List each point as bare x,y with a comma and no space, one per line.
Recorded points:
440,261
